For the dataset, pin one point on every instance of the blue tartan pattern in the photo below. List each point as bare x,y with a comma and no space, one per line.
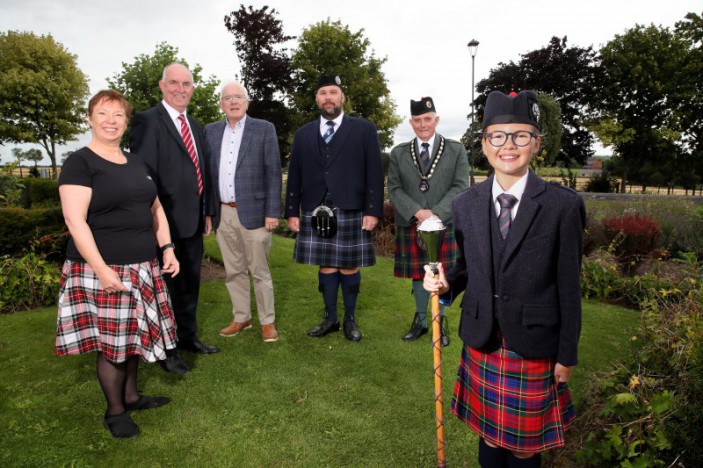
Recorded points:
351,247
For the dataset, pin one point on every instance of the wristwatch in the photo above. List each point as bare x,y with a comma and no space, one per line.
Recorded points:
165,247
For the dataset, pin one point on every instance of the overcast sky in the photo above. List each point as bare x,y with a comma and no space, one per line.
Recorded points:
425,42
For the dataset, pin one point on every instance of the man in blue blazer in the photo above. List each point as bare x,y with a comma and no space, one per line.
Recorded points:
245,183
171,143
335,164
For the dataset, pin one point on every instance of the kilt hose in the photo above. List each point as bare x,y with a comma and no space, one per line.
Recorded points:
512,402
410,258
138,322
350,248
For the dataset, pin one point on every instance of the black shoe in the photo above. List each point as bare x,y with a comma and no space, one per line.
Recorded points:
121,426
323,329
416,330
197,346
444,337
174,364
351,331
147,402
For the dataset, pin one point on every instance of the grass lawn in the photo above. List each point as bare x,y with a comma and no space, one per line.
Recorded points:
297,402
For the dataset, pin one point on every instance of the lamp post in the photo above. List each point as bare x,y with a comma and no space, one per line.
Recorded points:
473,45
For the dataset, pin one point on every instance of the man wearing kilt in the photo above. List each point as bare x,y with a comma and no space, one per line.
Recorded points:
334,199
423,177
520,245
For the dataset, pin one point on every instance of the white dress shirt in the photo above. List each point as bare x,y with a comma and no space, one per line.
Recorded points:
516,190
324,127
173,113
229,153
429,142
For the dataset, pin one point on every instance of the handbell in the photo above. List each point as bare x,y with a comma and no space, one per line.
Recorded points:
431,231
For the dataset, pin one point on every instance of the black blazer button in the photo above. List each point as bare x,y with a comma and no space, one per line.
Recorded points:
505,298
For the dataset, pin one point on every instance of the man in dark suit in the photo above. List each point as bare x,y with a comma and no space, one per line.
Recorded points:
245,182
335,168
171,143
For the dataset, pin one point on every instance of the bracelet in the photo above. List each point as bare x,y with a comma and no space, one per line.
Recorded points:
164,247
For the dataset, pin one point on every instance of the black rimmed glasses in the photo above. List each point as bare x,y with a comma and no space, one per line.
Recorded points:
520,138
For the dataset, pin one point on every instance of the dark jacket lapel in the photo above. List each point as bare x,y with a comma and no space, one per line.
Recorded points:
170,127
340,137
482,217
249,129
527,211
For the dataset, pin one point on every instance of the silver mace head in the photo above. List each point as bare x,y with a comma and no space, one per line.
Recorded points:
431,231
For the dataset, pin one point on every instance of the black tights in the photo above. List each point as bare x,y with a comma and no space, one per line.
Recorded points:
119,383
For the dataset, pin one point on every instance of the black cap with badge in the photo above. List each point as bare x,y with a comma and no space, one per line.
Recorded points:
422,106
329,80
519,107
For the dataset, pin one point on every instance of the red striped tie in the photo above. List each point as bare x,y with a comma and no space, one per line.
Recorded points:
506,202
190,146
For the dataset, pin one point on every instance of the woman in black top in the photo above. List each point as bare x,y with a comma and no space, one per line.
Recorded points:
113,299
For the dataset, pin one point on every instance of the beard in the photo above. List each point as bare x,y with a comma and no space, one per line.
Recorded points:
331,115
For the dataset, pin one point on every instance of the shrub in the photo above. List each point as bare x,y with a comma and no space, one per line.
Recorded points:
648,411
601,183
632,237
600,278
27,282
11,189
40,193
384,234
42,229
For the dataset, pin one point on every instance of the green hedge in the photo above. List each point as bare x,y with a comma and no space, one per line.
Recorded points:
40,193
41,229
27,282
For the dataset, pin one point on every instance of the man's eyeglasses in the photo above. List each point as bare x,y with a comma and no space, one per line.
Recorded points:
521,138
234,97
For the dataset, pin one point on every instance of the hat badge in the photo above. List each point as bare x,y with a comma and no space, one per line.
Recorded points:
337,80
428,104
535,111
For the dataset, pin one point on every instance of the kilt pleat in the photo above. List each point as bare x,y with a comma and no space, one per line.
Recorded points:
138,322
512,402
410,259
351,247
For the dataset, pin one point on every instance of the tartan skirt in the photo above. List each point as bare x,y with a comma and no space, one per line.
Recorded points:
512,402
351,247
410,258
138,322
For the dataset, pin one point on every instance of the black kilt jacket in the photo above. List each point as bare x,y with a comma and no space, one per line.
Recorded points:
352,172
537,301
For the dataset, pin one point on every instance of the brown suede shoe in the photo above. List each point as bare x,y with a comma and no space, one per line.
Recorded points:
234,328
269,333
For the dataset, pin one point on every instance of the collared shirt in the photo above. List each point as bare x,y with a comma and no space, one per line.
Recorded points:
324,127
173,113
429,148
229,153
516,190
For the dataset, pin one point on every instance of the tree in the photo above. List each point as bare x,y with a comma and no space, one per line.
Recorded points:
565,73
42,92
139,82
552,129
637,105
19,157
266,67
330,47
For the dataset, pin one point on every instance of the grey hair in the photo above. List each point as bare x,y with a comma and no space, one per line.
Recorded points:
163,74
234,82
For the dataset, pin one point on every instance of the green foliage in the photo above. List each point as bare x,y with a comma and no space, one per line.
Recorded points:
265,66
552,129
567,74
139,82
640,93
649,410
602,183
330,47
40,193
27,282
41,229
42,92
11,188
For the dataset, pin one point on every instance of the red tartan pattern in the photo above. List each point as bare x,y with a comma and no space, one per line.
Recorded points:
512,402
138,322
410,259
